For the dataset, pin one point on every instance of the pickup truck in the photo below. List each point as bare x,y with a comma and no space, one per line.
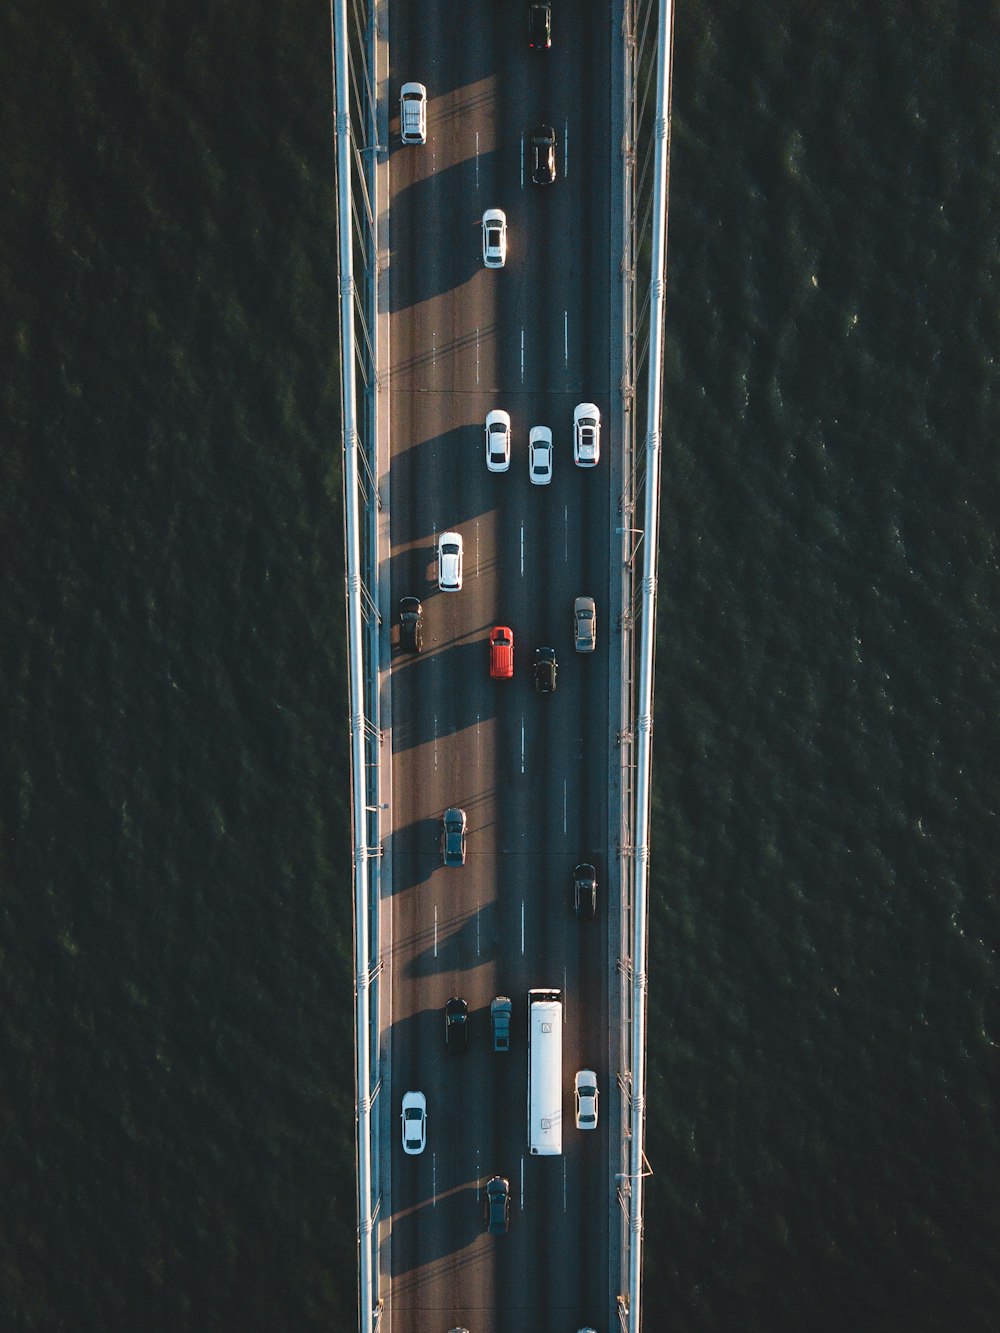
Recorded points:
500,1023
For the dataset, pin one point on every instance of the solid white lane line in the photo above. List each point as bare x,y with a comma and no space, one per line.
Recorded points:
478,919
435,741
566,533
565,997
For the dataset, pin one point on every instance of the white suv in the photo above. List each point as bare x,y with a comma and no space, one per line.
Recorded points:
413,113
586,435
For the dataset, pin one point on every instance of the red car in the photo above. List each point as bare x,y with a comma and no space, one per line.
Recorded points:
501,652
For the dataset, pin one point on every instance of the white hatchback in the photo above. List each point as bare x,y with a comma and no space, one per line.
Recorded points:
450,551
494,238
414,1120
540,455
498,440
586,435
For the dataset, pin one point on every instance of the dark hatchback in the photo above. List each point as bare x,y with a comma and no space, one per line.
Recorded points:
585,890
411,625
540,26
543,155
456,1025
497,1206
546,667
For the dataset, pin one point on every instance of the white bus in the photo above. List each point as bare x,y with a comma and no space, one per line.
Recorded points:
544,1073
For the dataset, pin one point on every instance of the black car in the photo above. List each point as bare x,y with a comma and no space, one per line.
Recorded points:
543,155
540,26
497,1206
456,1024
545,670
411,625
585,890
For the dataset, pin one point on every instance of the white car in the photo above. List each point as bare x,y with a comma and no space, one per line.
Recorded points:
498,440
586,1099
540,455
413,113
586,435
450,551
494,238
414,1119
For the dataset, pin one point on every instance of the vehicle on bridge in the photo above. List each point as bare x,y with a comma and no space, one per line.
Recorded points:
501,652
545,1024
450,551
414,1120
453,826
498,440
540,455
497,1206
546,669
585,624
411,625
500,1010
586,435
494,238
413,113
456,1025
543,155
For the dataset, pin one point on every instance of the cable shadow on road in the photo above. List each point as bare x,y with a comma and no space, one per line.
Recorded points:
420,1237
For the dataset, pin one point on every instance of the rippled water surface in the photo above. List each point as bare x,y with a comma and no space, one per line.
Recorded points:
175,935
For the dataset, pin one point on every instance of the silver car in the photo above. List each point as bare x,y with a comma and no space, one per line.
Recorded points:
540,455
585,1093
585,624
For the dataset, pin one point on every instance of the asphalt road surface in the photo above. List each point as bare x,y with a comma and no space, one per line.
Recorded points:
531,771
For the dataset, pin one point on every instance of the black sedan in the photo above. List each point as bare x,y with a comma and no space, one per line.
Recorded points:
456,1025
543,155
545,670
540,26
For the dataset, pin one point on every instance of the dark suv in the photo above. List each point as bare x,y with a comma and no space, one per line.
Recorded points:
411,624
543,155
545,670
456,1025
540,26
497,1206
585,890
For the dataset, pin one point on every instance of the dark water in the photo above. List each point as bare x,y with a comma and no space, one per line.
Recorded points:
176,1102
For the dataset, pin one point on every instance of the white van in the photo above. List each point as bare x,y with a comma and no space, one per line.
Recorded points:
413,113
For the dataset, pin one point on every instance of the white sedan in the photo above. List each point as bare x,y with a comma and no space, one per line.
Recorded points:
494,238
414,1123
586,435
498,440
540,455
450,551
586,1099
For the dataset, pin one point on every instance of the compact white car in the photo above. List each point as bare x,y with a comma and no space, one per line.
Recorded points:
540,455
586,435
586,1099
414,1119
413,113
494,238
498,440
450,551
